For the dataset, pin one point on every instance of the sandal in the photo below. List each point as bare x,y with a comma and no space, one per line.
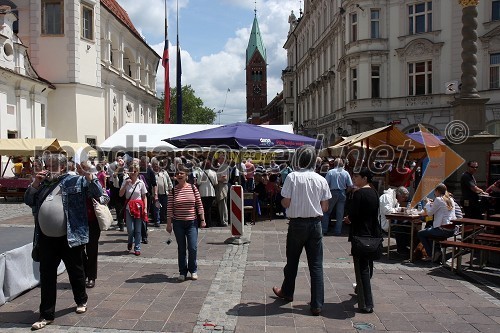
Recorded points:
41,323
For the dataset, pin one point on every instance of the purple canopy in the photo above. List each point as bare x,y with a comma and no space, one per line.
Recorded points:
417,136
243,135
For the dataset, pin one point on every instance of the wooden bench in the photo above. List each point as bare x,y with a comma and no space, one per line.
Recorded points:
485,237
469,246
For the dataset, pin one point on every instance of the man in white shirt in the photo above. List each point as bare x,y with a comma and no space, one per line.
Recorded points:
390,201
305,197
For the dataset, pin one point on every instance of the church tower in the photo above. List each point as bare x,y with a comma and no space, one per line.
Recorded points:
256,74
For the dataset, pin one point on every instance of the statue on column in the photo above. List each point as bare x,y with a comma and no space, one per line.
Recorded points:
293,22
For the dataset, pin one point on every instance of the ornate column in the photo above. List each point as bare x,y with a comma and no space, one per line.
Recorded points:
470,107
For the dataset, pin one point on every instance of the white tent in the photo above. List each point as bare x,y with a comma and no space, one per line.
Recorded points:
135,136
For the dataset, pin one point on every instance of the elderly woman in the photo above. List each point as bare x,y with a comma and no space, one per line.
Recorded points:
92,247
61,230
136,206
443,209
184,210
207,182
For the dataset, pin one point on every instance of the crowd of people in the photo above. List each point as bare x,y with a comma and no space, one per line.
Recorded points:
185,194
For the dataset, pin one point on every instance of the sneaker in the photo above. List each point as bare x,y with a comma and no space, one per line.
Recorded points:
194,276
137,253
181,278
81,308
40,323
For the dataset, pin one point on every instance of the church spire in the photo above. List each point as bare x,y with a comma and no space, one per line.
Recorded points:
255,42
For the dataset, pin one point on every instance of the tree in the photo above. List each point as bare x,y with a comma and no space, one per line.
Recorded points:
193,110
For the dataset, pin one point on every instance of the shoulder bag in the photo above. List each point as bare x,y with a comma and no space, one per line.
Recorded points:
369,247
103,214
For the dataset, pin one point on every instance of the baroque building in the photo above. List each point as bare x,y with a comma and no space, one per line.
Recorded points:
357,65
102,70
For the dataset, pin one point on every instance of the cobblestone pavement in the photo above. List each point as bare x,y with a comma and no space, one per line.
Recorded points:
233,293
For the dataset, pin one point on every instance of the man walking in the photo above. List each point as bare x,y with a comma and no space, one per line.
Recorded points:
305,197
338,181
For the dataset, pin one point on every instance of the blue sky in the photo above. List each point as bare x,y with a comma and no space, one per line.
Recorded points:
213,36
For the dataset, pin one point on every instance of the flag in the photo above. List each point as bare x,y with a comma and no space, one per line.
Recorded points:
179,84
166,66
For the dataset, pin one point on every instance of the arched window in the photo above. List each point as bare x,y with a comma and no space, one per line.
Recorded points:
417,129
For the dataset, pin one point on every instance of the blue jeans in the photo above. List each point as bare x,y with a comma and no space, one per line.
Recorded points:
186,234
337,203
424,235
160,214
134,230
305,233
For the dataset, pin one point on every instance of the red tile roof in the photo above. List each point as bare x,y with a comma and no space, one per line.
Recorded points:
121,14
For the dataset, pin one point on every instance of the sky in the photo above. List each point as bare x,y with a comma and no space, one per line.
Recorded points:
213,35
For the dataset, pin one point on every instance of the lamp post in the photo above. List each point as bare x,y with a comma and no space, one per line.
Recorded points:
218,113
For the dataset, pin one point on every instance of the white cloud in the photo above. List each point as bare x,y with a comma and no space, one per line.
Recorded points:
213,74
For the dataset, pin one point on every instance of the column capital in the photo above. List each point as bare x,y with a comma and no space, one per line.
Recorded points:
468,3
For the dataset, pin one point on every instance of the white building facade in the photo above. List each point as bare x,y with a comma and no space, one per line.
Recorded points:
358,65
103,71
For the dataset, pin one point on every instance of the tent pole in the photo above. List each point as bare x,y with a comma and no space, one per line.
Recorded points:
6,165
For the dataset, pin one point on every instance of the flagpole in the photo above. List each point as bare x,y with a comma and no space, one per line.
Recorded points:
166,65
178,74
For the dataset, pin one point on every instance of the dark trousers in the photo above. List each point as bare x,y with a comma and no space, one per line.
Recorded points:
472,210
363,269
52,251
207,208
91,250
305,233
118,203
402,234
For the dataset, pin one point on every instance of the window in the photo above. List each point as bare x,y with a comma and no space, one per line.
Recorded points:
495,10
52,17
354,27
375,23
354,80
87,22
420,78
42,115
375,81
494,70
420,17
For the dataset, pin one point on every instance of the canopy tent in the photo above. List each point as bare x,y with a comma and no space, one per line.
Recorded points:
243,135
387,136
27,147
73,148
133,136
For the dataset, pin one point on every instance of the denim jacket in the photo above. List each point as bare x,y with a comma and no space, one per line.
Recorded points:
75,190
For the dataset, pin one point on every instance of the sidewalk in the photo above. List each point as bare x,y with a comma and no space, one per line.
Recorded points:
233,293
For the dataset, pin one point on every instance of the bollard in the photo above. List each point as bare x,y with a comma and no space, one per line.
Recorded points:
237,216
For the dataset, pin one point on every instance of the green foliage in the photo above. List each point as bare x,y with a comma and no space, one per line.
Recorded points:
193,110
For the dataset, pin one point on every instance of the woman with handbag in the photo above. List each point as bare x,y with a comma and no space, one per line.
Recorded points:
364,232
183,212
136,207
92,247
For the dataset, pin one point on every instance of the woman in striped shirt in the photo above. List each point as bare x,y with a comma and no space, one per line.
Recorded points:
183,211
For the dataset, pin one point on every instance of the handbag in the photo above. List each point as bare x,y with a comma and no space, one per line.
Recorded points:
367,247
103,214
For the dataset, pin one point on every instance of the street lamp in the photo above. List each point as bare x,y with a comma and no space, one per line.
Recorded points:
219,112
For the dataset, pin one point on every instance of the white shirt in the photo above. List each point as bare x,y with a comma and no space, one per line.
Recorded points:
442,215
204,185
306,189
388,204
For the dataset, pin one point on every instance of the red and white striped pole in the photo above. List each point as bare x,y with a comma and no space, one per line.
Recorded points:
237,216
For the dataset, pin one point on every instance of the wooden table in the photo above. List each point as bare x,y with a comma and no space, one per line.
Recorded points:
13,187
415,220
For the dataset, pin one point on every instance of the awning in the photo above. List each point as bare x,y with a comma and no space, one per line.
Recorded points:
387,136
28,147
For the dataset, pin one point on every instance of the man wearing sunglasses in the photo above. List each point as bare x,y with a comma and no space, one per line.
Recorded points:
471,192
